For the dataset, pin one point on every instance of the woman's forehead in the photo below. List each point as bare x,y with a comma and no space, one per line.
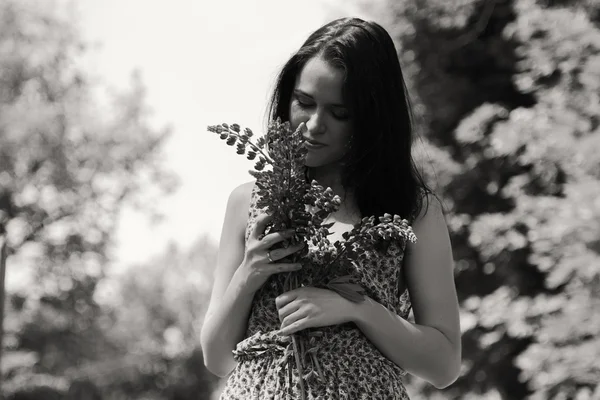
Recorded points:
320,80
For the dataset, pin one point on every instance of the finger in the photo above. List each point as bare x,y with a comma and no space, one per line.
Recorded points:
288,309
292,318
294,327
261,223
283,299
278,254
278,268
275,237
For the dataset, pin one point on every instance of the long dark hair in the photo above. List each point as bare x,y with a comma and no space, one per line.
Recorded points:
378,168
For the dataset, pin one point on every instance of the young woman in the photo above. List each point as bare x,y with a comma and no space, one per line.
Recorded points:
346,85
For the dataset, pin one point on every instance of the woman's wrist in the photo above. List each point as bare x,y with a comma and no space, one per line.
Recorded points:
359,311
240,285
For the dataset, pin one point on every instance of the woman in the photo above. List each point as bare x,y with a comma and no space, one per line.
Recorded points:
346,85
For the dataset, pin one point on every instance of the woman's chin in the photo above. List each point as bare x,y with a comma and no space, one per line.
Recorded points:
311,162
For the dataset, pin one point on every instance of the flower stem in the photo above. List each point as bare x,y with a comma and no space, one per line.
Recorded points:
299,364
254,147
317,367
293,283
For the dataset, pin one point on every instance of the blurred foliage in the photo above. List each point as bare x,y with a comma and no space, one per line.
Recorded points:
507,98
507,102
150,317
72,156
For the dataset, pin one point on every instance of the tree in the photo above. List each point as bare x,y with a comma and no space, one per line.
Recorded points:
68,164
157,311
507,99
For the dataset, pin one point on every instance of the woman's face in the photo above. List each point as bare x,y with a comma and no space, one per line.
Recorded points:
317,101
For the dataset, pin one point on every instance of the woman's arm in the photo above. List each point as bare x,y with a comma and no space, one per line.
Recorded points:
430,348
243,267
229,307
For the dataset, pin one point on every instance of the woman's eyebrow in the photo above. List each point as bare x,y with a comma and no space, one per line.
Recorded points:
302,93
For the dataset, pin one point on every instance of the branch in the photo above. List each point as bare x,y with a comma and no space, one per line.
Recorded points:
448,46
480,26
31,235
3,257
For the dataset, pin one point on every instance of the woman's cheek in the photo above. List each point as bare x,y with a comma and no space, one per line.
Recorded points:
297,115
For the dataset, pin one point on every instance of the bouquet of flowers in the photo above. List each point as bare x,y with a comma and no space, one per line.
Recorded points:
285,193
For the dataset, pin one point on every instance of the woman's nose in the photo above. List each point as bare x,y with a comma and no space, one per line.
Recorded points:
315,123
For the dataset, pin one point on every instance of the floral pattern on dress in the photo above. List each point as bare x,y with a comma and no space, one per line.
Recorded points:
353,368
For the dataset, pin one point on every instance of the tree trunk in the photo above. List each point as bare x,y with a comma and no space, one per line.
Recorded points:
3,256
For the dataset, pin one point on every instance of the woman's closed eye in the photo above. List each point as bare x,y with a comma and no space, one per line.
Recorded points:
342,115
304,103
339,114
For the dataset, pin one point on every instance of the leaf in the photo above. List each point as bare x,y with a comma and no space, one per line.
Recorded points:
350,291
310,375
341,279
351,286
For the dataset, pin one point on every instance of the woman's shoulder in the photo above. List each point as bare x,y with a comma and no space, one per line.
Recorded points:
429,225
241,196
238,205
243,191
429,206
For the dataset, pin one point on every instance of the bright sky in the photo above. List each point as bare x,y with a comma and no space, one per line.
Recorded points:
203,62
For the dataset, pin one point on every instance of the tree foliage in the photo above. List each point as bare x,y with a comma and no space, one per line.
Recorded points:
156,311
72,155
507,99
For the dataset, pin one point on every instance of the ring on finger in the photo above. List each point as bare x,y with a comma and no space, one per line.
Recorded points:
269,256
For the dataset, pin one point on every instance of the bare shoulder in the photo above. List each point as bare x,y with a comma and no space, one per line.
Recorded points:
430,227
241,194
239,202
431,211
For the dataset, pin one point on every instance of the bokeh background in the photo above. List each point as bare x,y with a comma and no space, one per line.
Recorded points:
112,193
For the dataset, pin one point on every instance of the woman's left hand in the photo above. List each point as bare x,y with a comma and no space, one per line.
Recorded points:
311,307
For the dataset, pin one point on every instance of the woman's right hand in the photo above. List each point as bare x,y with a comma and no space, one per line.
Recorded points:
256,266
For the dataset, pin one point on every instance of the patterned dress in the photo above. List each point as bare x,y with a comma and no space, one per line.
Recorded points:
354,369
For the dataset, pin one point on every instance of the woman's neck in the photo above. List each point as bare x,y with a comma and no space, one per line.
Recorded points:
328,177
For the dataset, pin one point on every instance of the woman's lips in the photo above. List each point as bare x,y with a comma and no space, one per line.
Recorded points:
312,145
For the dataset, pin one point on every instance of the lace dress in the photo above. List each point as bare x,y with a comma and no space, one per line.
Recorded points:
353,367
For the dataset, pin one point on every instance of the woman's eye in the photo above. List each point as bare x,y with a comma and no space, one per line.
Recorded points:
303,103
341,115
